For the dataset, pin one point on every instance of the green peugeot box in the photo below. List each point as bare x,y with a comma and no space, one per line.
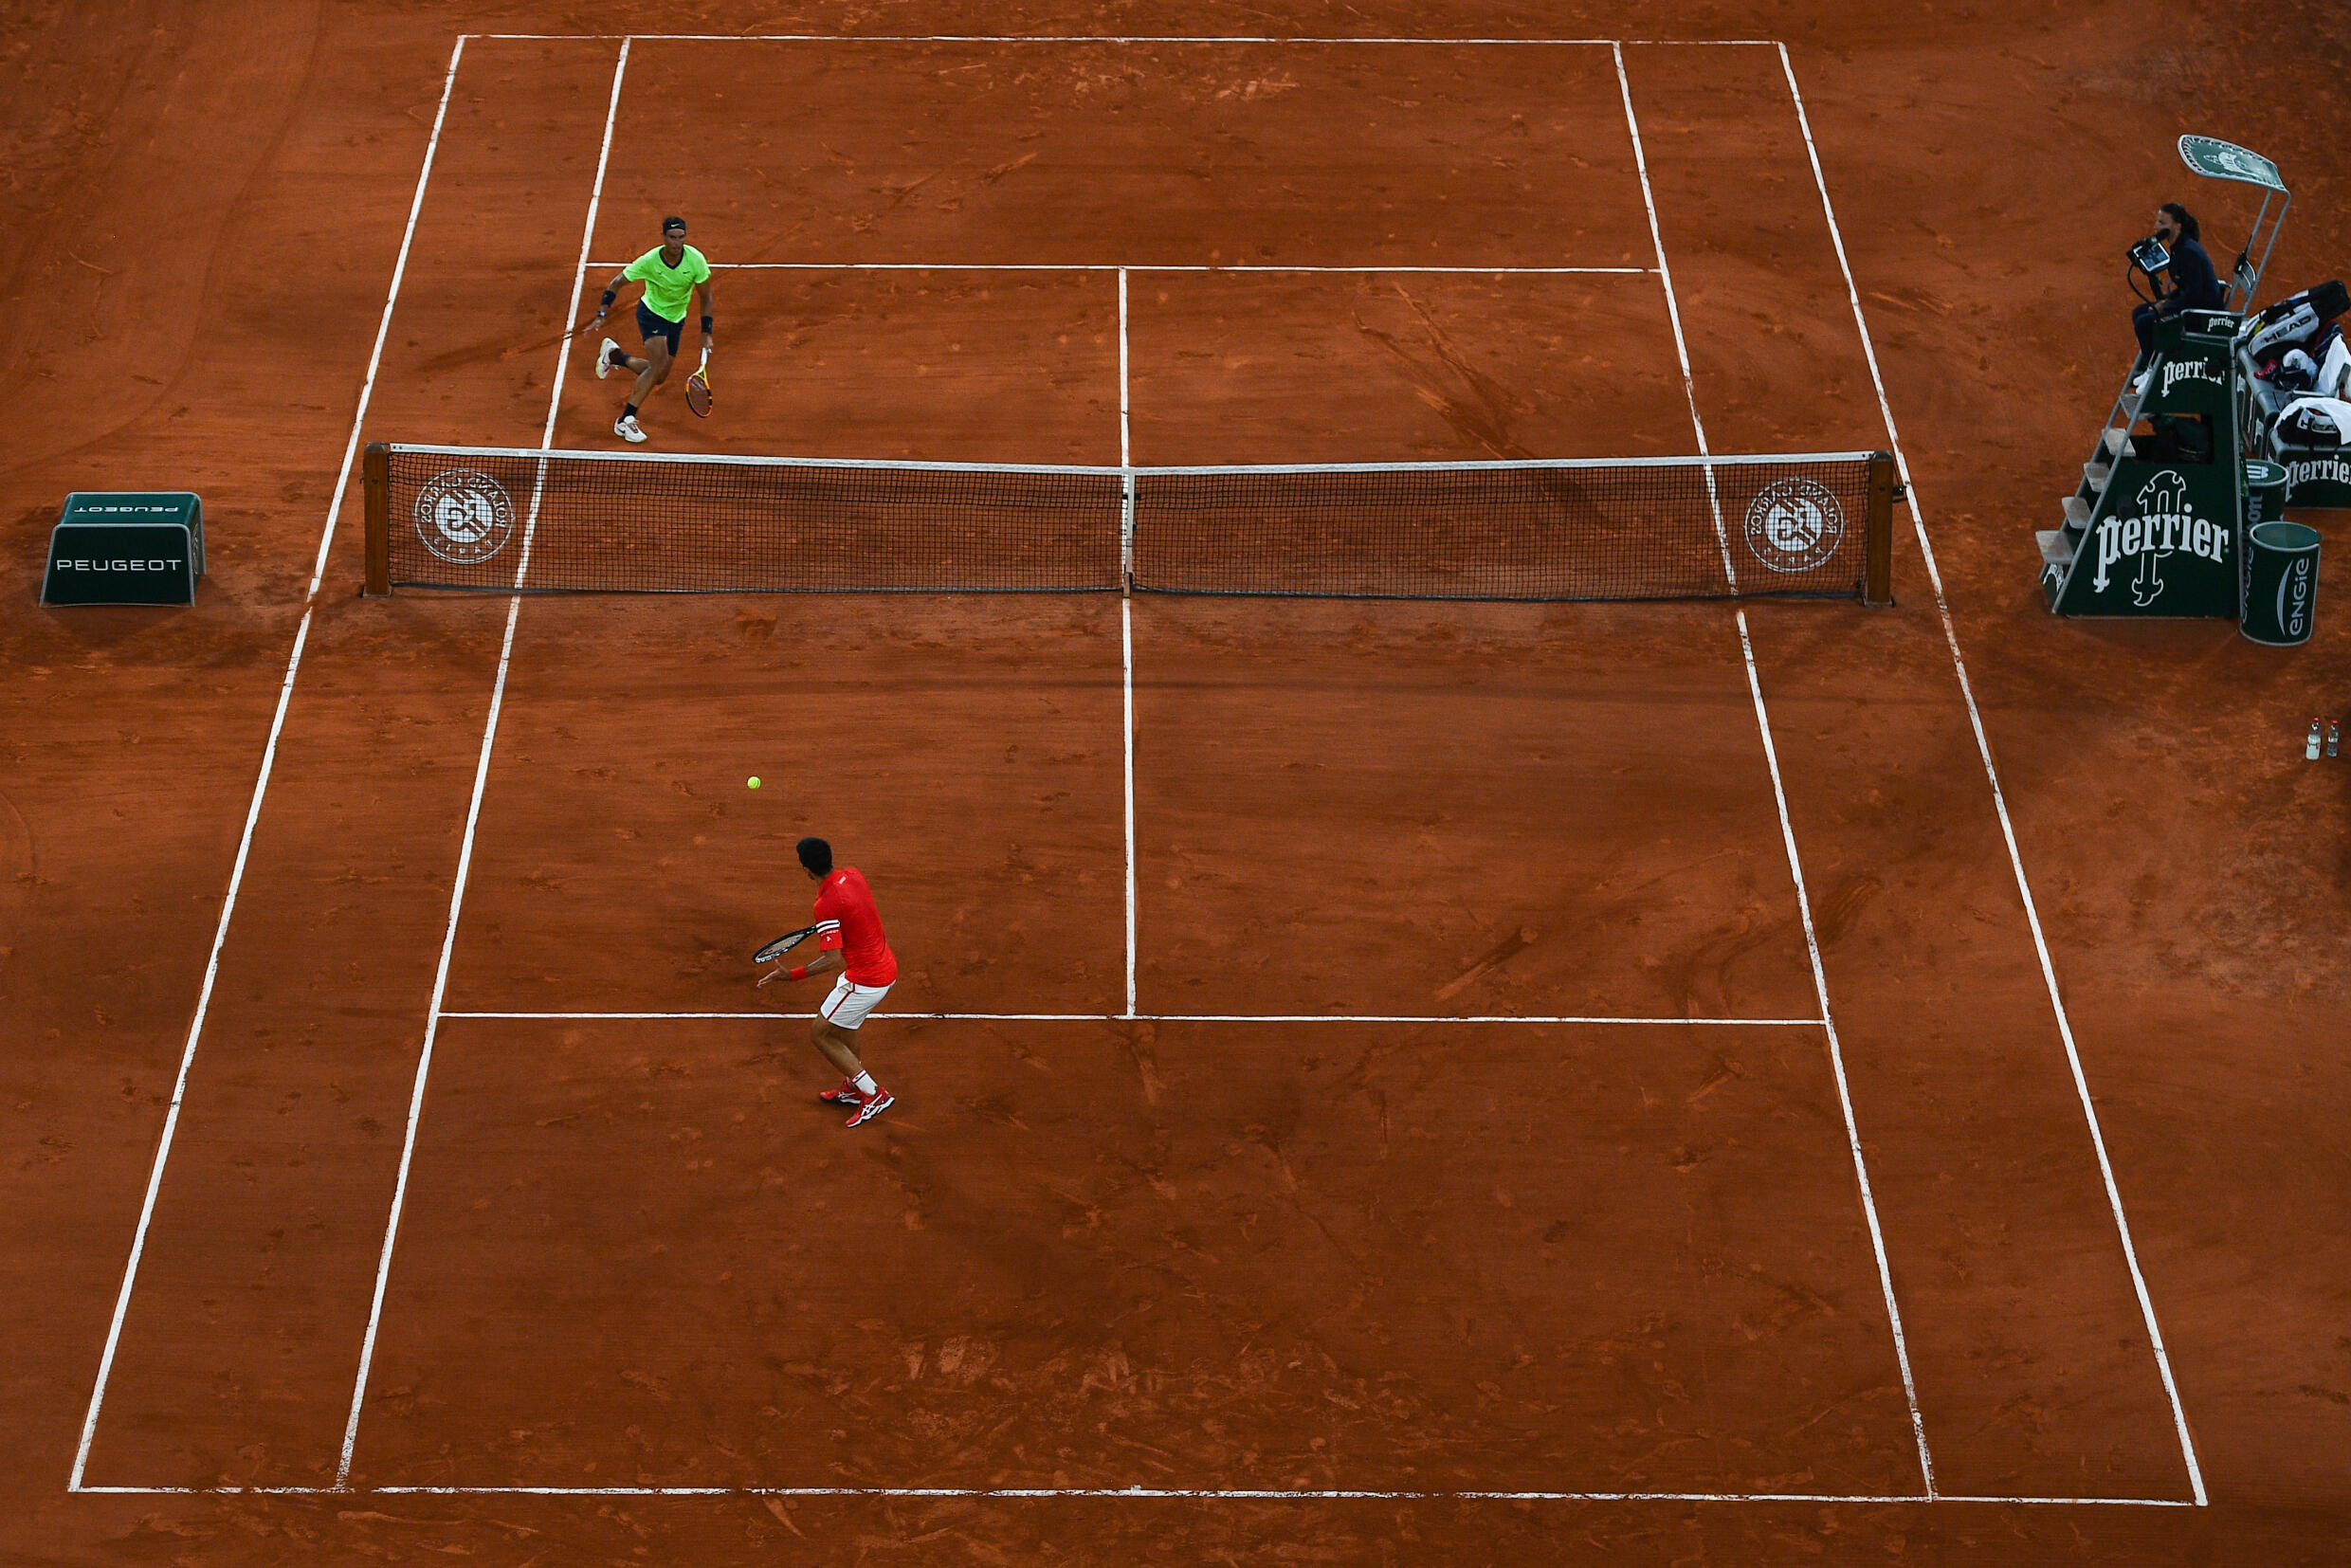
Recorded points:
126,547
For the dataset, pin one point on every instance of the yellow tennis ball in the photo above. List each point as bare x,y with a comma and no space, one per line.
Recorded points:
753,782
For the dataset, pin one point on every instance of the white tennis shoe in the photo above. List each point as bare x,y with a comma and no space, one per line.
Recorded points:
604,358
626,428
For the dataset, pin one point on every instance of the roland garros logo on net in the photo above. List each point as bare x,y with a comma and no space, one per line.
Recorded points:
464,517
1794,524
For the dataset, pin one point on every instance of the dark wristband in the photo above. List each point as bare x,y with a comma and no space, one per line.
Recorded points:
610,295
705,324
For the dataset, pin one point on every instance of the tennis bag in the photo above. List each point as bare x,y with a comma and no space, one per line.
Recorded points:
2294,323
2314,424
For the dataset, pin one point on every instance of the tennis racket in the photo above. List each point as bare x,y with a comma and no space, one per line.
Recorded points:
782,945
697,389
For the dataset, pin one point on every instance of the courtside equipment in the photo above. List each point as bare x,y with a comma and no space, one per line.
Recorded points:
2175,510
126,547
2154,525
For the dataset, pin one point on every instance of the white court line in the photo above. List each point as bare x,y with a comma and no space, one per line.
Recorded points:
423,1059
1110,38
260,787
1673,314
1138,267
1146,1494
1126,450
1068,38
1836,1060
1999,806
473,818
1206,1018
1787,830
1780,796
1126,654
1126,630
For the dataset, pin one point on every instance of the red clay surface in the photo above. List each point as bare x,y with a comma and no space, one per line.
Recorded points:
1434,1257
1172,1255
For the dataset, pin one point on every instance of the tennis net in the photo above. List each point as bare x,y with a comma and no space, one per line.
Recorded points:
517,519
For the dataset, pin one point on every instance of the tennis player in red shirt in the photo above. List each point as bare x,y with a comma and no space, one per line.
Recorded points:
849,929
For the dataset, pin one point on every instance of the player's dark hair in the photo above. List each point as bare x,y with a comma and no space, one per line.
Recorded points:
2189,227
817,855
672,221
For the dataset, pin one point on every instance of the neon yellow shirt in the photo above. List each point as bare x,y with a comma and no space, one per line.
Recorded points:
667,289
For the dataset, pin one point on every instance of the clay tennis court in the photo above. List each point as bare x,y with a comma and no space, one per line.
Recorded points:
1378,1080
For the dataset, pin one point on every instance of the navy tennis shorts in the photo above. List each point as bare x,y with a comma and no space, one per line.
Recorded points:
650,325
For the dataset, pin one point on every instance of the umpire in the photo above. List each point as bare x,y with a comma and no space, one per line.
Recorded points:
2194,283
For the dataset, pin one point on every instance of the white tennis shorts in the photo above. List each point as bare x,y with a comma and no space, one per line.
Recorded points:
849,1003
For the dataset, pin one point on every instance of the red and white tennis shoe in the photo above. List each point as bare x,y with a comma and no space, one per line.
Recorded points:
847,1094
873,1106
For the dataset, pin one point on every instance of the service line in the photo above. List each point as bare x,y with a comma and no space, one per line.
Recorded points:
1065,38
1148,266
1209,1019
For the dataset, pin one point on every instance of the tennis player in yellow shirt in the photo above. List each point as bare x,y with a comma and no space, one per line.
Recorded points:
673,273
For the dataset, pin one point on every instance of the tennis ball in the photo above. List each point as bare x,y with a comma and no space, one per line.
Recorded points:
753,782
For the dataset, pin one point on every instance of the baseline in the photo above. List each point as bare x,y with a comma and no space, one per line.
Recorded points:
1114,38
1147,1494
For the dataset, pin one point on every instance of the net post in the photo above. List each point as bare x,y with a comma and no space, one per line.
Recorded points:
1127,533
376,492
1877,583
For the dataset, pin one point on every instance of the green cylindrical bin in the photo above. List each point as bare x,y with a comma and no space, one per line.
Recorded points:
2281,583
2264,492
2264,502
